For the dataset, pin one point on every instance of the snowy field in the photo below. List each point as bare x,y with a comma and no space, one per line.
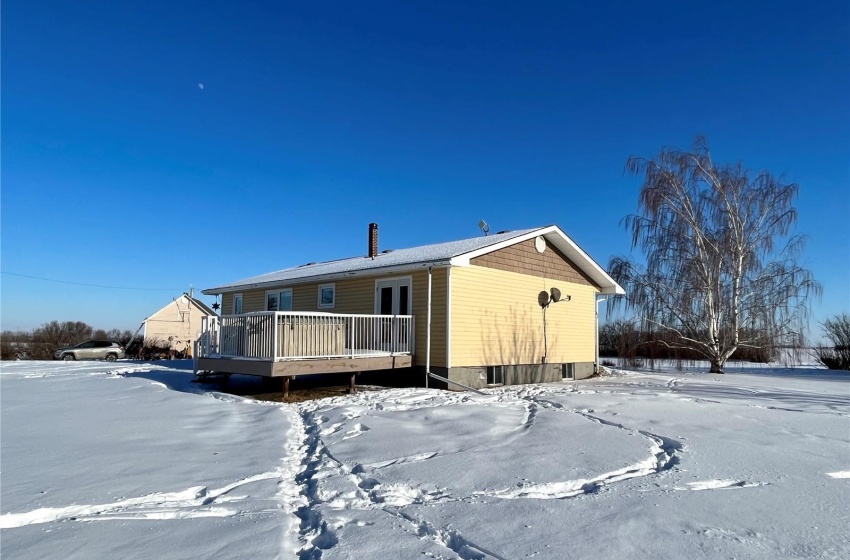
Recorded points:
130,460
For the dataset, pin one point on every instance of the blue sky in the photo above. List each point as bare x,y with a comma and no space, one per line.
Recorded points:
316,118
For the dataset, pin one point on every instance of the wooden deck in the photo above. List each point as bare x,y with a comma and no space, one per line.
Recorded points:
289,343
289,368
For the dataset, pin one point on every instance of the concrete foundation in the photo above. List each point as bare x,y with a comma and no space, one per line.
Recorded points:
476,377
584,370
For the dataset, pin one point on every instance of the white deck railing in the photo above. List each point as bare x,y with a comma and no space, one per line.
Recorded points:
207,343
293,335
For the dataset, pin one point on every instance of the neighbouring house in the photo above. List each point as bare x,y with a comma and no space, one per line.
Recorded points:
178,324
514,307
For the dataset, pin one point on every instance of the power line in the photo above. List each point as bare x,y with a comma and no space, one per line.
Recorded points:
90,285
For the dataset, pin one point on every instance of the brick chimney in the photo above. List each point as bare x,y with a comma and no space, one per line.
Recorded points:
373,240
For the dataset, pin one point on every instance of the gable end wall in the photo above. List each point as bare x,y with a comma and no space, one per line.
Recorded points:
496,318
180,321
523,258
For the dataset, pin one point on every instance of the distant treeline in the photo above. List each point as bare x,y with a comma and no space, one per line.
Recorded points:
626,340
40,343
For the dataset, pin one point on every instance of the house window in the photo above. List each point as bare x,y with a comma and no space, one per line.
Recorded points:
568,371
237,304
327,296
495,375
279,300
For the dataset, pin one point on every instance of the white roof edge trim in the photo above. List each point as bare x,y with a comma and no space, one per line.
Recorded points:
615,291
607,284
163,308
612,287
191,301
326,277
197,305
463,260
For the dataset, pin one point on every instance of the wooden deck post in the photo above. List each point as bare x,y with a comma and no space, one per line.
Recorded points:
351,388
286,387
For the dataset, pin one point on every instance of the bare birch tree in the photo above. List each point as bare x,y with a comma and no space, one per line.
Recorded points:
721,269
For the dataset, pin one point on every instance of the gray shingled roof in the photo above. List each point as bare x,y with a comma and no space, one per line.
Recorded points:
415,255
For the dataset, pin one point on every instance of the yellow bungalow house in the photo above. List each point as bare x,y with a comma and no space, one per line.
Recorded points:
514,307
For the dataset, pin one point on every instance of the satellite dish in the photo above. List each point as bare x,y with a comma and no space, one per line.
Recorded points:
556,293
484,227
539,243
543,298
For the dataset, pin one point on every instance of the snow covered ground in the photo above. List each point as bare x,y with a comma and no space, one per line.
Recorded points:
135,461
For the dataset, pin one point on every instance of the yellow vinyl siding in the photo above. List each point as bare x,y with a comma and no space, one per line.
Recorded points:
227,304
357,295
496,319
253,301
352,295
438,315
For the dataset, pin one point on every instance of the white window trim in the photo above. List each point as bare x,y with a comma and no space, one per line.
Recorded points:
239,295
277,291
330,305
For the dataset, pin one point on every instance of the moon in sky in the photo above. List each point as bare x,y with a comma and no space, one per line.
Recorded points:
200,86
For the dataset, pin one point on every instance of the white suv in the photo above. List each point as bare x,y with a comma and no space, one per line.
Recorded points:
91,350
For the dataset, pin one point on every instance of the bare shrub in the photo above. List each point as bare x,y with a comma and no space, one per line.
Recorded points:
151,348
837,331
15,345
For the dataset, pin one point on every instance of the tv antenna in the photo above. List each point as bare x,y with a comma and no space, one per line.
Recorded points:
484,227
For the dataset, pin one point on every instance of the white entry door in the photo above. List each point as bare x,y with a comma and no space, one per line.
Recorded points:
393,297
